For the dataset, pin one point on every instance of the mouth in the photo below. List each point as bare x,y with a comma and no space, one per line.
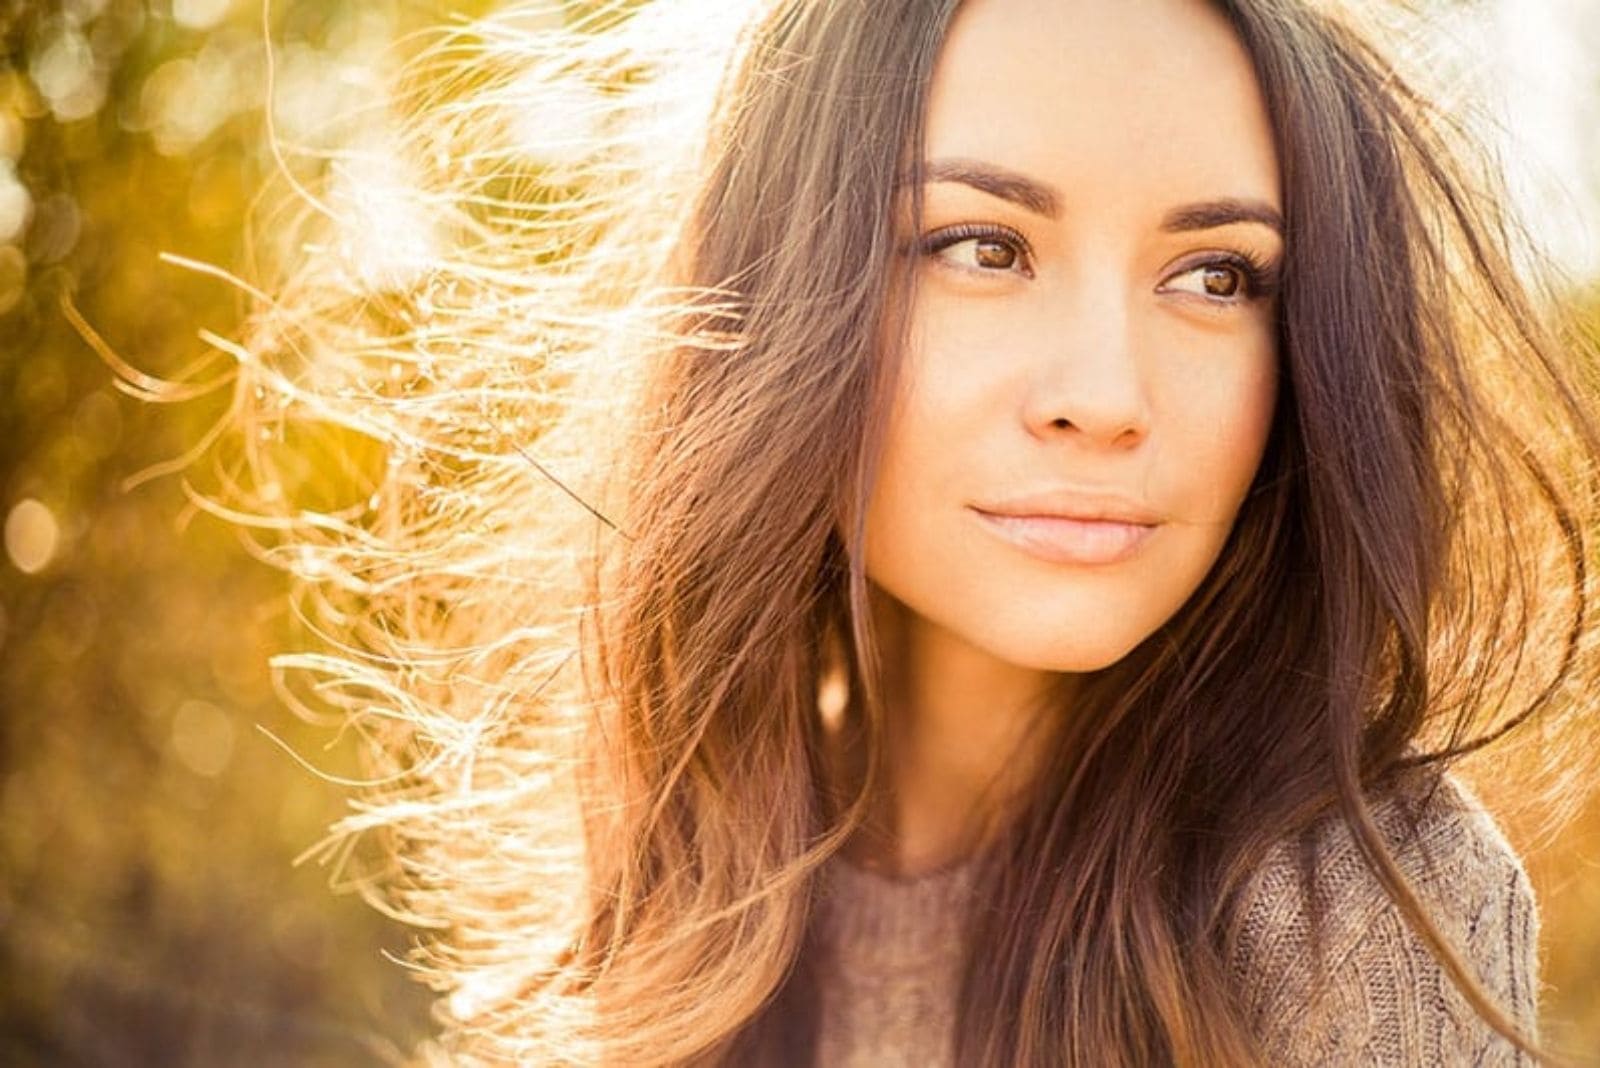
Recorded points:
1070,539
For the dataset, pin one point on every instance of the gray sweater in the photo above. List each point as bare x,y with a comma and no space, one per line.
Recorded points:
894,947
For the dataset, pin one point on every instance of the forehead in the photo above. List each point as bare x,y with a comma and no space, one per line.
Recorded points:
1127,99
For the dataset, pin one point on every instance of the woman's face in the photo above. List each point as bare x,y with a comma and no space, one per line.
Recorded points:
1093,361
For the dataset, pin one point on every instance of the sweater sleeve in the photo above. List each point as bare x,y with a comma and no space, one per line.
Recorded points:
1364,989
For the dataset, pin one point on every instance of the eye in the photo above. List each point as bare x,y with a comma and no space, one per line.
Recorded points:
981,248
1216,280
1229,279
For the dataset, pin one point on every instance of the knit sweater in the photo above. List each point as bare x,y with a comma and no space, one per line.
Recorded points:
893,950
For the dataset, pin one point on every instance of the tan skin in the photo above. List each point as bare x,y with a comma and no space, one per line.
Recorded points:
1095,342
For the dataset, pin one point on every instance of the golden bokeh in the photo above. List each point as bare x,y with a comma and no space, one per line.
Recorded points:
150,816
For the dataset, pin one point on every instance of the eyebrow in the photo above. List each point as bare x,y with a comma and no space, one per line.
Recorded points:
1043,200
996,181
1225,211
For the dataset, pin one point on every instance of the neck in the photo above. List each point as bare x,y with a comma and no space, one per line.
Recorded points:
958,738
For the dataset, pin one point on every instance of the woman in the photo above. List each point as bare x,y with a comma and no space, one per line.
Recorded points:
985,558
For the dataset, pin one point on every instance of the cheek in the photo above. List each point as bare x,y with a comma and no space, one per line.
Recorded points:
946,445
1217,427
920,540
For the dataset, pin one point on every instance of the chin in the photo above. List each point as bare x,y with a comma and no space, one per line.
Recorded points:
1065,649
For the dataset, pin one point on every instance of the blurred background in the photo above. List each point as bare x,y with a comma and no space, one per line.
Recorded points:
150,908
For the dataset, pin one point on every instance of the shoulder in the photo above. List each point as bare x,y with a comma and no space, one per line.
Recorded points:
1328,965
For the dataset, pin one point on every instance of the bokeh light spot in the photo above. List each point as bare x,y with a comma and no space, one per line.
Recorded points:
32,536
16,204
57,224
183,101
81,11
67,77
202,738
200,14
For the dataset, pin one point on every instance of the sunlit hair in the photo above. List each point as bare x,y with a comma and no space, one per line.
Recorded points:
600,319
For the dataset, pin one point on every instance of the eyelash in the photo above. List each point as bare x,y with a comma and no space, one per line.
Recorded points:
1258,280
936,242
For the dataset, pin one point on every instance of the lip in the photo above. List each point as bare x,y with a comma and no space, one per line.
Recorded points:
1070,527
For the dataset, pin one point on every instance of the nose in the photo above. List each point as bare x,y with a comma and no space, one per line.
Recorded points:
1086,380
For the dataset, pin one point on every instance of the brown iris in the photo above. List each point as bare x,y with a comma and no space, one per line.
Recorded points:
1222,281
997,254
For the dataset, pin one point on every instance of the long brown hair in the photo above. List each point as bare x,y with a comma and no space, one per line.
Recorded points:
631,422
